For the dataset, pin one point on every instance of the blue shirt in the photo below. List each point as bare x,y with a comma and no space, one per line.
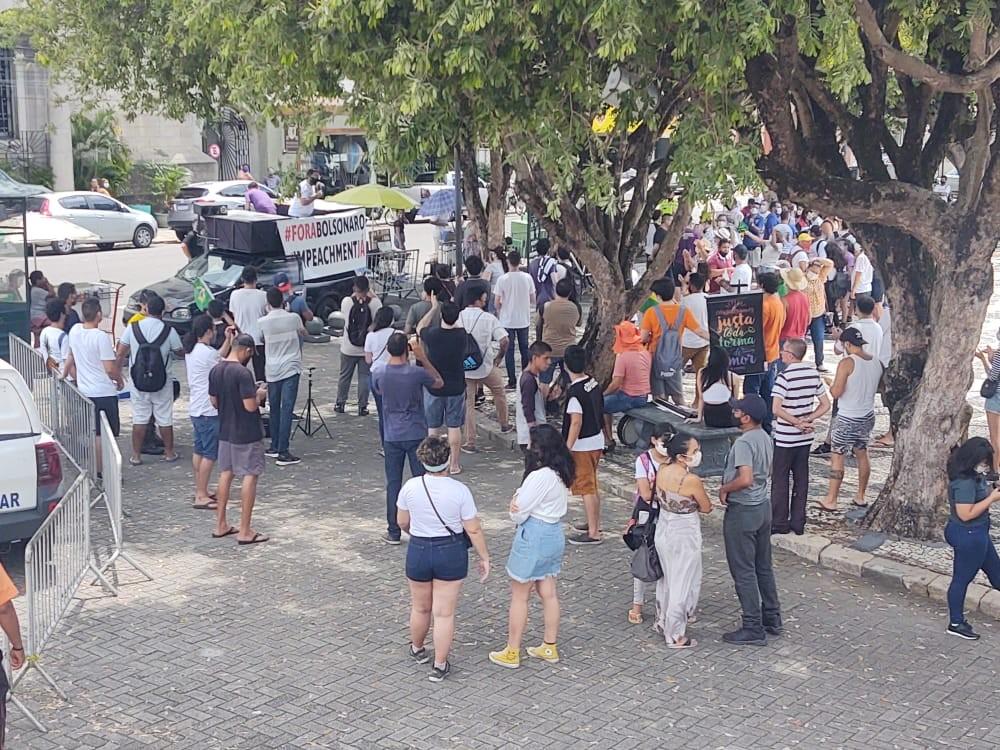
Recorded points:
402,390
968,491
770,223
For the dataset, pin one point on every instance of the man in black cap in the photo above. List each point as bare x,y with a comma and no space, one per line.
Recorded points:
746,529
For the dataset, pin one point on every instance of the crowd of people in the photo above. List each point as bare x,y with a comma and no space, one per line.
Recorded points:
513,327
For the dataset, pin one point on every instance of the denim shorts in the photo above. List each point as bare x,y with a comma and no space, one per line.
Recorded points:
993,403
436,558
206,437
537,551
620,402
444,411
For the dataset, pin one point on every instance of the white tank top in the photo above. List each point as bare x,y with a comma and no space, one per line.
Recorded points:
858,399
717,393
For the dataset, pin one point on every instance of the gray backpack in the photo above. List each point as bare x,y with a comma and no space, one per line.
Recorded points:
667,360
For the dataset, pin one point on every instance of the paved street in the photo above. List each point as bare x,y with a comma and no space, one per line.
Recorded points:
300,642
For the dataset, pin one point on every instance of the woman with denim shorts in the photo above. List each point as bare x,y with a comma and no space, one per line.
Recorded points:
536,553
200,358
991,364
435,510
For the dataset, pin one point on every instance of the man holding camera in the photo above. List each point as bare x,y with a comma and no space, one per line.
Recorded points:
310,190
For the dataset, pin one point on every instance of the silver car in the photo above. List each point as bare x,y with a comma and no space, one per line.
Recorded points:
181,215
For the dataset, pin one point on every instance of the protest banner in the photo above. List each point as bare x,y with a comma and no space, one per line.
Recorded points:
328,245
738,319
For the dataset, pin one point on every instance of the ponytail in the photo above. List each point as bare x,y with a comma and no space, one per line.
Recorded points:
199,327
677,446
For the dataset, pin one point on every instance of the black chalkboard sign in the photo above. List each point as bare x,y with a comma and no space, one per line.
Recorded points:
738,320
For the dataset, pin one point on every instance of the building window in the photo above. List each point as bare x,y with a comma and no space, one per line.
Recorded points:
8,104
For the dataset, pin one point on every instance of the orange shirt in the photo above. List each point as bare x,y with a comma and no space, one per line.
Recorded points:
651,323
7,588
774,319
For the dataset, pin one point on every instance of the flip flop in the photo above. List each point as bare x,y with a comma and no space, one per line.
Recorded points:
171,460
635,617
827,510
232,530
455,473
135,461
207,506
689,643
880,443
258,538
859,505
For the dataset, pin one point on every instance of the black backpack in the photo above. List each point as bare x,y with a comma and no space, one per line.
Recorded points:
149,372
576,277
359,321
472,358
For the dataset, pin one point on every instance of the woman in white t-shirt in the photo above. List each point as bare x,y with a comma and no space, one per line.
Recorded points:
434,510
200,358
377,356
535,560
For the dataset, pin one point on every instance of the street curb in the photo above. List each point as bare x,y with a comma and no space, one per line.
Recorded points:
817,549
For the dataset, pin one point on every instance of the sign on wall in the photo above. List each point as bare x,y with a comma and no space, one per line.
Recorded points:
328,245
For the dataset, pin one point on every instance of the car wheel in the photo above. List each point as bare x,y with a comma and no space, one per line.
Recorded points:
326,306
180,235
65,247
143,236
105,245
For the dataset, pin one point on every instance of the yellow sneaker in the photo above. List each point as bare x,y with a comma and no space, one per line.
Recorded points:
546,652
509,657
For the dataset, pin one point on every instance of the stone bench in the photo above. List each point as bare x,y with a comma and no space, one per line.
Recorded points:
636,426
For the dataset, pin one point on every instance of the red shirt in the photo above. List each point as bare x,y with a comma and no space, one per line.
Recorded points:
796,316
716,261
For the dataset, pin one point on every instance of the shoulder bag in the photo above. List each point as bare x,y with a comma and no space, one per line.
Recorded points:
464,535
988,389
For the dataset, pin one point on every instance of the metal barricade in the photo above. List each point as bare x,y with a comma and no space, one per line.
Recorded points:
28,361
74,428
112,462
394,272
5,650
56,561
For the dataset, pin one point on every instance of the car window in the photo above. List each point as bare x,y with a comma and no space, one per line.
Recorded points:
218,272
192,192
35,203
73,201
234,191
101,203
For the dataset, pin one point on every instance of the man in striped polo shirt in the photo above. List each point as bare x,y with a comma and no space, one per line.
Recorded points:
797,389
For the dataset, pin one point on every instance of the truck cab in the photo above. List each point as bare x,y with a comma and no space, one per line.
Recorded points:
31,480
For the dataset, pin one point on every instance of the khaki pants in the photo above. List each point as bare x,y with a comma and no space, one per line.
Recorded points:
495,383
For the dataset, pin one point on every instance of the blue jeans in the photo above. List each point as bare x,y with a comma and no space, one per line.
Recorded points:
762,384
974,551
396,455
281,395
620,402
817,332
378,410
520,335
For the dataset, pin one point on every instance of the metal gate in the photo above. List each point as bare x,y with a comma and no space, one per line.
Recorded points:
231,134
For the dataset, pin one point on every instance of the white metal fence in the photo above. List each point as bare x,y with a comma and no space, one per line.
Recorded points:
56,561
5,650
394,272
112,460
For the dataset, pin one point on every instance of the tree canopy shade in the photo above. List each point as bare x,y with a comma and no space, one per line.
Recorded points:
899,83
902,84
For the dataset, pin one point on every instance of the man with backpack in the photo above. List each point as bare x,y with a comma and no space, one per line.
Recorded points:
359,311
150,346
663,327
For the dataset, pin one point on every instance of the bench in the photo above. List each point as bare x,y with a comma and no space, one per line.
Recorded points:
636,426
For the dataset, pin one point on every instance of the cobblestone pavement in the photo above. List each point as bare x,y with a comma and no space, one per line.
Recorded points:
300,642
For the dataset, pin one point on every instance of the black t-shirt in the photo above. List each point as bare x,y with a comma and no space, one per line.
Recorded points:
445,348
194,244
71,320
470,290
230,382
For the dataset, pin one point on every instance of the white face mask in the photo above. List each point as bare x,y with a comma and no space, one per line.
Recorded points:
694,460
660,449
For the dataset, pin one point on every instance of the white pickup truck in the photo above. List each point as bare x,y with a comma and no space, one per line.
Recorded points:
30,465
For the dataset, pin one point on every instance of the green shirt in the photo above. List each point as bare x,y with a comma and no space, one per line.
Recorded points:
651,301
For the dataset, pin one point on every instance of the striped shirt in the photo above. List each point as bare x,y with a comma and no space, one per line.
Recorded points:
798,386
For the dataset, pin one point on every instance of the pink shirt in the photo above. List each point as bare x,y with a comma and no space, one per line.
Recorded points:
634,368
716,261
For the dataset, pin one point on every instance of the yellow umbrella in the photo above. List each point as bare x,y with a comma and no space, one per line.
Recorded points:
374,195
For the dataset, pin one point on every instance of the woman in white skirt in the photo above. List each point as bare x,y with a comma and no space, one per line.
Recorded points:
681,496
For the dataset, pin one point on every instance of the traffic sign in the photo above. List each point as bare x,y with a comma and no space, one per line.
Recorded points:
214,151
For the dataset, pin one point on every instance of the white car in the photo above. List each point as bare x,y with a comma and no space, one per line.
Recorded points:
32,476
110,220
428,181
230,192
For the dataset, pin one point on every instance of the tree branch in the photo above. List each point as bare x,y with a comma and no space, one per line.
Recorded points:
662,260
914,67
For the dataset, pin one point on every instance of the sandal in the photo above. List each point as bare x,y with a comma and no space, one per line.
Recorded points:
258,538
827,510
232,530
211,505
135,461
882,443
686,643
635,617
171,460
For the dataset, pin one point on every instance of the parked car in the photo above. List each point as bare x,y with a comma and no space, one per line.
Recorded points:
112,221
428,181
31,480
232,193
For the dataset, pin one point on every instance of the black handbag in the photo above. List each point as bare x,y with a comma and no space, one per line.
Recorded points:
464,535
645,563
988,389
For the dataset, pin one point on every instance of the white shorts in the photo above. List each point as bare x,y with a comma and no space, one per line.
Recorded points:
158,405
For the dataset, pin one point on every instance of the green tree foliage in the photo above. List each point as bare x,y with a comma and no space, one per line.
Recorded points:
98,151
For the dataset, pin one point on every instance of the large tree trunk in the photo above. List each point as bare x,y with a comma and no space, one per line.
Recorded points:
491,219
928,389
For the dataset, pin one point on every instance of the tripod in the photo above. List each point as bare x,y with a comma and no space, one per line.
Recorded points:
305,423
